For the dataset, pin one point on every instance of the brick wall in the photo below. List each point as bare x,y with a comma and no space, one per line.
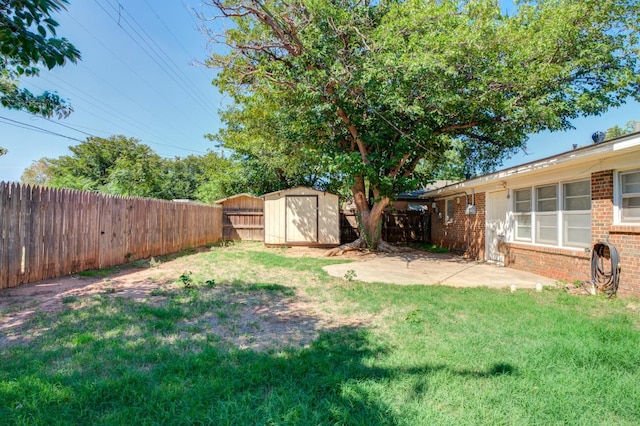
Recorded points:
561,264
576,264
466,235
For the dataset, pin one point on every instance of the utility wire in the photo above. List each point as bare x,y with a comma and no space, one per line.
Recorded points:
148,50
174,67
132,70
116,20
27,126
184,49
118,116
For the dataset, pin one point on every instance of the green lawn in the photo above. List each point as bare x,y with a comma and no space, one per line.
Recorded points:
405,355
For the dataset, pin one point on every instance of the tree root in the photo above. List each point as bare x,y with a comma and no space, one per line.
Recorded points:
358,244
361,244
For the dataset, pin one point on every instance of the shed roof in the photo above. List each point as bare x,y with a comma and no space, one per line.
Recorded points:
233,197
306,188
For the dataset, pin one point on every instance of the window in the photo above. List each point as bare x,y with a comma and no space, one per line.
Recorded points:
576,214
630,191
449,217
547,214
522,214
558,214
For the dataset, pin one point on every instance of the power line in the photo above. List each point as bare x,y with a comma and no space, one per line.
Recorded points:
147,50
123,117
22,125
176,69
68,127
184,49
133,71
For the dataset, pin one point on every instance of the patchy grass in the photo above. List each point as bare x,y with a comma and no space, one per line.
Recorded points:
422,355
433,248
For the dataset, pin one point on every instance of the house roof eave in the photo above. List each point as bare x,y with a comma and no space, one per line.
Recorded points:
589,152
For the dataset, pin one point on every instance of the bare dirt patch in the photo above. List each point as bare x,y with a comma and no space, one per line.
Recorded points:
257,320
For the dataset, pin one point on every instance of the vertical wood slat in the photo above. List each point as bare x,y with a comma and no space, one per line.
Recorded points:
14,220
4,259
62,232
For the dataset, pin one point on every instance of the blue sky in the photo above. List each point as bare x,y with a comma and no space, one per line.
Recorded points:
121,86
138,77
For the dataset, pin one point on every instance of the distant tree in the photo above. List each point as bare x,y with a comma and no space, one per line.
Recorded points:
617,131
115,165
37,173
376,87
28,40
203,178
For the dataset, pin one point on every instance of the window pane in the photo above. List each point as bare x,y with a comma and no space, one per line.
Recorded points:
631,183
546,205
522,200
523,227
449,209
577,195
631,208
546,198
547,228
546,192
577,188
577,229
577,203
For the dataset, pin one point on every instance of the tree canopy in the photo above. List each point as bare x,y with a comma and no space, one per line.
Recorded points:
617,131
122,165
374,88
27,41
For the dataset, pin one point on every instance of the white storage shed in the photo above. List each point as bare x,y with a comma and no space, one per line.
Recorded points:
301,216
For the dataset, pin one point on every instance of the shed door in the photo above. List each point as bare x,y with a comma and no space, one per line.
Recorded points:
301,224
496,224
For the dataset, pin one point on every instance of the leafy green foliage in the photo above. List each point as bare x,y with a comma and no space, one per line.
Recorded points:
123,166
37,173
370,90
116,165
28,40
617,131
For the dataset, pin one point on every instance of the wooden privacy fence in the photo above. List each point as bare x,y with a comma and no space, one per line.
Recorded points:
48,233
397,227
242,218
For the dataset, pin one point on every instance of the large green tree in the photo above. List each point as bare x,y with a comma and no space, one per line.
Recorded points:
379,86
28,41
115,165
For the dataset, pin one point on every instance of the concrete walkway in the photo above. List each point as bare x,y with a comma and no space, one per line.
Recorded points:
436,269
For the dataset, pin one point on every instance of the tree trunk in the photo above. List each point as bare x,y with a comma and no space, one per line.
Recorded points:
369,222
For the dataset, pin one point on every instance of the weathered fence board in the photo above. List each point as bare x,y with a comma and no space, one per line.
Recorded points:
397,227
45,233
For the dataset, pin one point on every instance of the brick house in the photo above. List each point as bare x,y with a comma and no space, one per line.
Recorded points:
546,216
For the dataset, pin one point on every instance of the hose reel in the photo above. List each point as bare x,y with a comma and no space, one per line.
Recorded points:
605,268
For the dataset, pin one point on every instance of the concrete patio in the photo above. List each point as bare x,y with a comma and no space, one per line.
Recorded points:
436,269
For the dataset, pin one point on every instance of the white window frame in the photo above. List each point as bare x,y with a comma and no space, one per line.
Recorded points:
620,196
539,215
448,218
560,215
519,215
566,214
